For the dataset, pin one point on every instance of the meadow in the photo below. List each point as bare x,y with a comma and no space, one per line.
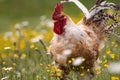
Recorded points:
24,41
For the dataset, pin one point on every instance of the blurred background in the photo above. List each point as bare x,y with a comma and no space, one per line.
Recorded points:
16,11
26,29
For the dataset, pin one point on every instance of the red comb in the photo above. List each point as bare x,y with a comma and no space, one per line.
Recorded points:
57,11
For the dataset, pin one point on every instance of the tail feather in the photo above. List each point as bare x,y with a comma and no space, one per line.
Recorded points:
102,5
98,2
100,18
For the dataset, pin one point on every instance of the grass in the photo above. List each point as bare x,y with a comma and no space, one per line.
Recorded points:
21,59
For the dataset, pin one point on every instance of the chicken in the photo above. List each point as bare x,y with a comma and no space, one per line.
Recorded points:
76,46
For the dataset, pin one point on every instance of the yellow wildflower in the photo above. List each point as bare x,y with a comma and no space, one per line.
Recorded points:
98,72
22,45
23,56
82,74
97,68
37,77
32,46
52,71
69,61
48,65
73,59
48,70
73,68
3,62
3,56
108,51
83,59
116,46
58,74
101,61
41,64
14,64
53,67
58,70
36,48
115,78
112,56
16,55
113,42
3,68
82,67
47,48
104,56
105,65
88,70
105,61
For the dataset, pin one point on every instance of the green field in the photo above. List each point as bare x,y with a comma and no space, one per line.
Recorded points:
14,11
22,57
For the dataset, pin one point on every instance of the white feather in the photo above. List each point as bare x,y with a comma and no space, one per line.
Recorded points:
103,5
114,67
81,6
78,61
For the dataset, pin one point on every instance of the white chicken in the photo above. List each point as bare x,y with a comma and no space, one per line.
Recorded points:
76,46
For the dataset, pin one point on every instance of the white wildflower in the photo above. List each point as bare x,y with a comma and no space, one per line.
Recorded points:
53,63
8,68
18,74
48,53
8,35
23,70
50,23
42,17
4,78
46,22
25,23
17,26
114,67
43,31
7,48
18,29
36,39
78,61
67,52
